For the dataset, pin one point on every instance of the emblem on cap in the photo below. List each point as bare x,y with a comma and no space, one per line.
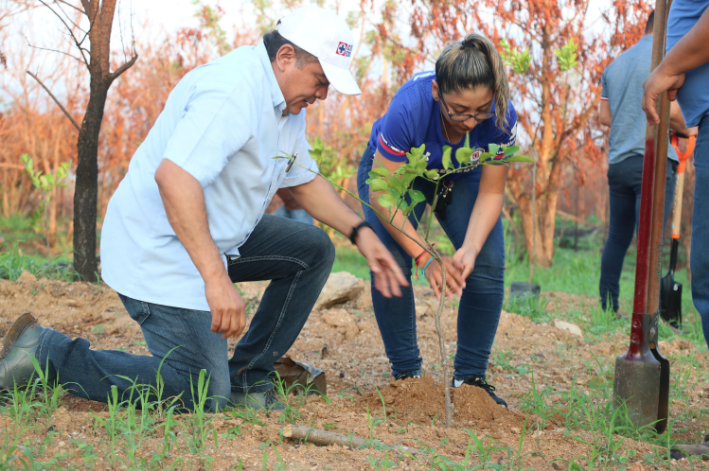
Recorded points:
344,49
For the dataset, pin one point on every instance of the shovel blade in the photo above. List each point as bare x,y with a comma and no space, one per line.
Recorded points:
671,301
638,388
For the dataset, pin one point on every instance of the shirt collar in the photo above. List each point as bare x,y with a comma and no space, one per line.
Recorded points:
278,100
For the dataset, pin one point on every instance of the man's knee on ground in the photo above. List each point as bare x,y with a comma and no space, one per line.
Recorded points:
219,393
319,245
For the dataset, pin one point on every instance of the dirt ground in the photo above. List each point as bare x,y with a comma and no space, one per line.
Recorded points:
345,343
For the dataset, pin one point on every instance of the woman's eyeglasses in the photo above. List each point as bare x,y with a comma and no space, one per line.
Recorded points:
463,116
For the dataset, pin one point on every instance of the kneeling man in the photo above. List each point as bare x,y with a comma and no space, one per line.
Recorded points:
187,222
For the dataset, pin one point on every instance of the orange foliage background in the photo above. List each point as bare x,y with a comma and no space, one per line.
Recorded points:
391,52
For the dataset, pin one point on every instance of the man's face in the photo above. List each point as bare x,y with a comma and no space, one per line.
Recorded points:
300,86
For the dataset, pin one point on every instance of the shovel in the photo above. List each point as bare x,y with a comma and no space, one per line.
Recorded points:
642,374
671,290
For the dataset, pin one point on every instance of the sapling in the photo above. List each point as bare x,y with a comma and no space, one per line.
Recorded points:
46,183
395,193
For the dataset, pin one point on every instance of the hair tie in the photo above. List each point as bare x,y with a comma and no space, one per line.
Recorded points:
462,44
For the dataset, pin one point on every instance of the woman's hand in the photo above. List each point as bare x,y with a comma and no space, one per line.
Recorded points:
464,259
455,283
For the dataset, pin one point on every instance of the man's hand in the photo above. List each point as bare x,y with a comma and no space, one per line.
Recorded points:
658,82
227,307
454,281
387,274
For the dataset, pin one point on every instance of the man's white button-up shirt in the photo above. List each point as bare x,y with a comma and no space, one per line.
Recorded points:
223,123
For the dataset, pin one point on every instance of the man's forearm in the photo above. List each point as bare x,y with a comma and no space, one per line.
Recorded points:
321,201
677,119
183,199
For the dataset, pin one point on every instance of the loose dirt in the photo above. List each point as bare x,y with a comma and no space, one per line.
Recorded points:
345,343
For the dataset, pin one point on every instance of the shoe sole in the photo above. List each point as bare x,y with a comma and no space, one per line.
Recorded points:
24,322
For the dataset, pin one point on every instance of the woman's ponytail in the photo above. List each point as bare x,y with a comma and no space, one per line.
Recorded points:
471,63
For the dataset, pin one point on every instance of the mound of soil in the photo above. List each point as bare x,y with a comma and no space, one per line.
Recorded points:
422,401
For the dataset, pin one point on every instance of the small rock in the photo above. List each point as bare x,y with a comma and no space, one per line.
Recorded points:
26,276
366,325
342,321
364,301
341,287
573,329
73,303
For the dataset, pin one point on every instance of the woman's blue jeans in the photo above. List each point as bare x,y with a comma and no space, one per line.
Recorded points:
625,183
481,303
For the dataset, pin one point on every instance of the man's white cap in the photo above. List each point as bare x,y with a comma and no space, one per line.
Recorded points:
326,36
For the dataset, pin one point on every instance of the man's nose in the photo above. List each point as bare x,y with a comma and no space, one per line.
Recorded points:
321,93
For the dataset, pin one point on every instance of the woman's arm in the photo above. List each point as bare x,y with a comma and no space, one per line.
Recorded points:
486,212
433,273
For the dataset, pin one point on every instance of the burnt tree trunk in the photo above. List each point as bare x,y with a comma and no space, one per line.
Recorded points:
100,16
86,190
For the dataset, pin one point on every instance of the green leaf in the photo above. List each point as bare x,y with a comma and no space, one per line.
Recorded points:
522,61
519,158
511,150
463,155
432,175
417,196
566,57
446,158
519,61
378,185
417,152
387,200
379,172
493,148
397,185
485,156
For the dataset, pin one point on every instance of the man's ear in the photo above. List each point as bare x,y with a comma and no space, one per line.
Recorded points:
285,57
434,89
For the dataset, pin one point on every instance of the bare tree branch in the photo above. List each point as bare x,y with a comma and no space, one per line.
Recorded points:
67,16
76,41
69,5
61,107
87,6
126,65
52,50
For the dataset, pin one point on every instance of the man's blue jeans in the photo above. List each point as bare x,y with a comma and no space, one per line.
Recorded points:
481,303
294,214
297,258
699,254
625,182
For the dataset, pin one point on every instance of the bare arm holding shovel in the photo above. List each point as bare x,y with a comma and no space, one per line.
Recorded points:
689,53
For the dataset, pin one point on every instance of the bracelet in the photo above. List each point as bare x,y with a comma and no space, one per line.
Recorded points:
416,261
355,230
426,266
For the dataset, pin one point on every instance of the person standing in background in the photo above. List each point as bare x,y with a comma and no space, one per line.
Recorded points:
621,110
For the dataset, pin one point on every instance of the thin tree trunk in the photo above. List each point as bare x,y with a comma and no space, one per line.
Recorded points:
86,190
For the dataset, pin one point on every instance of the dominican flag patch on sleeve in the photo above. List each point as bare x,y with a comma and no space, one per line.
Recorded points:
344,49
